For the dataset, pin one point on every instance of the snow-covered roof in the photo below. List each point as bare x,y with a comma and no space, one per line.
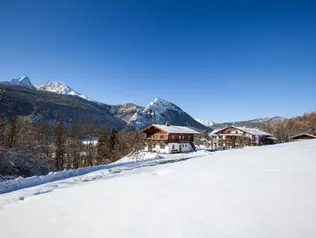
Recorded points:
215,131
176,129
252,131
303,134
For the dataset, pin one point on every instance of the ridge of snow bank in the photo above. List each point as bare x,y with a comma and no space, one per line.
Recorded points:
131,162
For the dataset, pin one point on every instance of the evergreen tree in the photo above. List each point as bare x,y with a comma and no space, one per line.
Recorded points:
102,147
12,138
113,143
4,127
60,145
113,139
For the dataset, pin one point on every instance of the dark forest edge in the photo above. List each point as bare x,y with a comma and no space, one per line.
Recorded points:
58,148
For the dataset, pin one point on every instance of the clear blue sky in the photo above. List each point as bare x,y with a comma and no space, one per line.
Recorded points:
219,60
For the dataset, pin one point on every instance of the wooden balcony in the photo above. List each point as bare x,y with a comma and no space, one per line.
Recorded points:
177,140
154,139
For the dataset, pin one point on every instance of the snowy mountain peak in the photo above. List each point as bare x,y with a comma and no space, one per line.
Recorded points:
208,123
23,81
60,88
160,105
160,111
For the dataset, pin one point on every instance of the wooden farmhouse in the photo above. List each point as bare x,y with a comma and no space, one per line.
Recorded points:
168,139
234,137
302,136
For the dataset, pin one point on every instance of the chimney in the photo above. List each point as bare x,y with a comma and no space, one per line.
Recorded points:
167,123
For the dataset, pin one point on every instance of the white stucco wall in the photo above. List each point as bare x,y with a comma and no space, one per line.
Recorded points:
159,149
185,147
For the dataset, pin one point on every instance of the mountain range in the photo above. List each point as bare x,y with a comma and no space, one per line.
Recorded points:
23,81
53,101
50,86
250,123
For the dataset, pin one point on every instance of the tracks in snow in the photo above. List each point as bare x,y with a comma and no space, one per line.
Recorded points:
115,171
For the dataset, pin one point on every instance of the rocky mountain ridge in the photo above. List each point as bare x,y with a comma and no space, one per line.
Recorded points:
51,102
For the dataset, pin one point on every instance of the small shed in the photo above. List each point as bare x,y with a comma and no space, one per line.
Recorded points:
302,136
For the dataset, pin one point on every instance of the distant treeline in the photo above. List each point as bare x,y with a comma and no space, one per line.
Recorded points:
290,127
63,149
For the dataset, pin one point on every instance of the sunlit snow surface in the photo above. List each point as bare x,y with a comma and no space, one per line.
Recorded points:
253,192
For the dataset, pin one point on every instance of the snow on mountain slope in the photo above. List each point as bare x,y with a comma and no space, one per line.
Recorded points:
125,111
160,111
60,88
205,123
23,81
252,192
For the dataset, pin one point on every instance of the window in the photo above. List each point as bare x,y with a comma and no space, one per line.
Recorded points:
179,137
183,145
161,137
162,146
173,147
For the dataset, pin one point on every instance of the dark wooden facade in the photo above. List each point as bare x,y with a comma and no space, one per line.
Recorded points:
155,135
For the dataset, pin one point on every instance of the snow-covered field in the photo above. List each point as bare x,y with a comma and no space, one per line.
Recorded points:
252,192
128,162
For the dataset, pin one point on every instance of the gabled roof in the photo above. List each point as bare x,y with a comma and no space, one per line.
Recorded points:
174,129
252,131
303,134
255,131
217,130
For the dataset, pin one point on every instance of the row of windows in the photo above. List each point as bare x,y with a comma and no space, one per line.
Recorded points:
184,145
161,146
173,137
181,137
158,137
